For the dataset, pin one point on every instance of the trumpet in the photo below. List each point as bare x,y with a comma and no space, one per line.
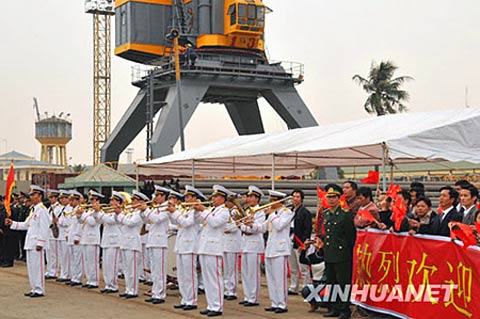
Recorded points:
188,204
253,211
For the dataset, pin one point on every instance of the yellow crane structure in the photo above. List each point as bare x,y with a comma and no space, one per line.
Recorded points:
102,11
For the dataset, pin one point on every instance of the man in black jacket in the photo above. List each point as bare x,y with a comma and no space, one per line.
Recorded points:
300,231
9,242
447,211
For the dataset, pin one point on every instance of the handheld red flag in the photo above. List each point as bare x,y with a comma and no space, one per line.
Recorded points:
393,191
343,202
462,232
398,213
365,214
9,188
322,195
372,178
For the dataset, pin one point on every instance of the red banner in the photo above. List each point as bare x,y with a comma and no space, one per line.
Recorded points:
416,276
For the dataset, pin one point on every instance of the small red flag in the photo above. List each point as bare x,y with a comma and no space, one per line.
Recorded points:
322,195
393,191
9,188
343,202
398,213
372,178
366,215
463,232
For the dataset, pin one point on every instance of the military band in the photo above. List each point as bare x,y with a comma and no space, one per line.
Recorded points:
215,233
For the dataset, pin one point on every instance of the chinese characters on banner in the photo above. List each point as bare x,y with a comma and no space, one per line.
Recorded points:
419,277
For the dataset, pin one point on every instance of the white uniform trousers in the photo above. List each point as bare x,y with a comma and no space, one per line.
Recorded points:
76,263
143,275
213,279
158,267
121,266
53,258
132,260
296,268
251,277
91,255
277,270
111,256
36,271
230,261
187,278
65,262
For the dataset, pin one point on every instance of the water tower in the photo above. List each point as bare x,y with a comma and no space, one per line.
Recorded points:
53,132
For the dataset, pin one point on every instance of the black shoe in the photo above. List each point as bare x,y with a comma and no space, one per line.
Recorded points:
36,295
292,293
92,287
158,301
131,296
344,316
28,294
189,307
85,286
201,291
148,283
7,265
122,295
111,291
242,302
205,312
142,280
229,298
149,300
281,310
67,282
121,276
62,279
214,313
103,291
50,277
331,314
251,304
179,306
271,309
73,284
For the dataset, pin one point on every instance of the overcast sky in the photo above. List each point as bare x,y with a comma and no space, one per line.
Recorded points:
46,52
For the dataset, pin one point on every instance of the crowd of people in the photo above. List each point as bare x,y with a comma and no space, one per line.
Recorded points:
74,233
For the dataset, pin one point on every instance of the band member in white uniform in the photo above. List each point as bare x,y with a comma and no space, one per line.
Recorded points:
91,241
63,225
186,247
157,245
73,240
37,226
56,248
110,243
232,247
253,246
210,249
130,242
277,252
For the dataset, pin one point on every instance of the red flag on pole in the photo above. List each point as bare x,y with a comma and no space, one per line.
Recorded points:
343,202
365,214
322,195
398,213
9,188
393,191
464,233
372,178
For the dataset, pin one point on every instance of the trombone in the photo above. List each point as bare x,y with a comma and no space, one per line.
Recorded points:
85,207
253,211
188,204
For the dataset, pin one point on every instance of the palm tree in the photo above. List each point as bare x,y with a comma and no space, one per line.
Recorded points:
385,95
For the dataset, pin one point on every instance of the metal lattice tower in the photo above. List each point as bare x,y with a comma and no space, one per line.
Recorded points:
102,11
101,83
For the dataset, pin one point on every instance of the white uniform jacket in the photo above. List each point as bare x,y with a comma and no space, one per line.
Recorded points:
187,236
75,228
90,228
252,239
278,225
158,227
131,224
54,211
211,240
37,226
233,235
111,230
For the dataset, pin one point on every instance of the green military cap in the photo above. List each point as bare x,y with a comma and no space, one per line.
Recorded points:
333,189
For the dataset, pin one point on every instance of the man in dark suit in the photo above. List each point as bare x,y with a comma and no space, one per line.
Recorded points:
447,211
300,230
9,247
468,201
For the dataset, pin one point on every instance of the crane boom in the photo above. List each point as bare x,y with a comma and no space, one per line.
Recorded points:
35,107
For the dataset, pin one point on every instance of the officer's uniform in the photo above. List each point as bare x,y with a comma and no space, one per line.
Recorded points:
210,250
37,226
340,235
64,249
74,236
276,254
131,246
110,245
186,247
56,248
253,246
157,246
91,244
232,248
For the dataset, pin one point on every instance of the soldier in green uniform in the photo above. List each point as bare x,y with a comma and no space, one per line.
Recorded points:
340,235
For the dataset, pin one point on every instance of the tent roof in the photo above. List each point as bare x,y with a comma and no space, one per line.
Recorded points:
409,137
99,175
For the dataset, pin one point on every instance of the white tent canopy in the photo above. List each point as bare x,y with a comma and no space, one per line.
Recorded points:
403,138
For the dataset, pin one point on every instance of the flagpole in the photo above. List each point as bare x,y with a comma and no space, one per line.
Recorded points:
384,174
